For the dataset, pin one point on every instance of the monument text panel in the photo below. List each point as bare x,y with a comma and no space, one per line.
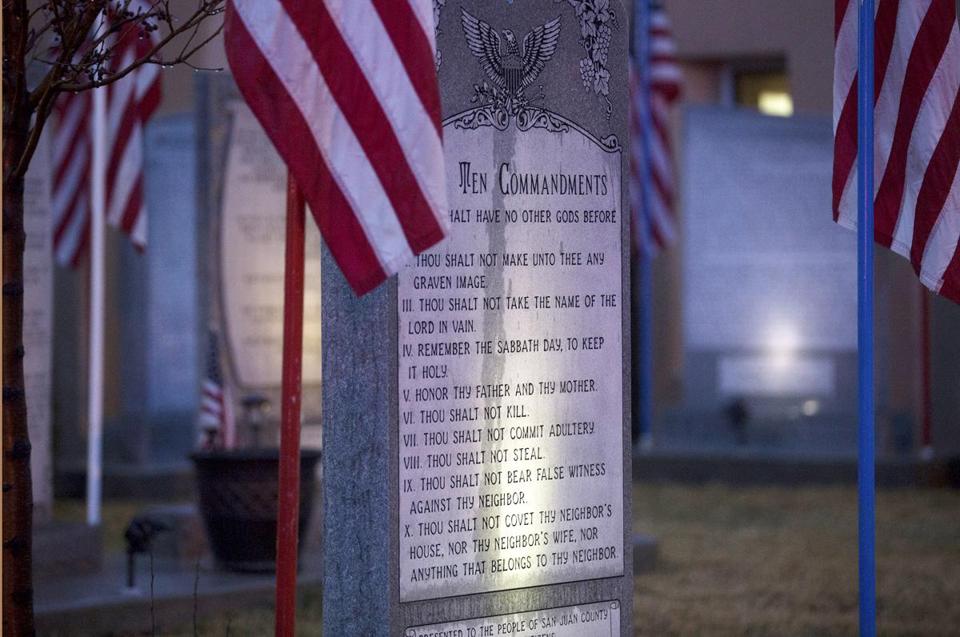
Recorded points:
510,378
601,619
252,243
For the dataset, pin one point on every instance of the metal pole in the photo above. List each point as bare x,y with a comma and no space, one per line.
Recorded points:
98,199
866,451
643,279
288,513
645,364
926,434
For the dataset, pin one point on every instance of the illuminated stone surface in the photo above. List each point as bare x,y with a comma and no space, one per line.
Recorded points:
446,498
511,394
769,295
252,239
589,620
38,324
241,258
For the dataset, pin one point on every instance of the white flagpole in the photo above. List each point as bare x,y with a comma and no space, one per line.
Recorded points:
98,199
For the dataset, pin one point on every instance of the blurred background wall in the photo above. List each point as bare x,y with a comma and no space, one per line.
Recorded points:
766,58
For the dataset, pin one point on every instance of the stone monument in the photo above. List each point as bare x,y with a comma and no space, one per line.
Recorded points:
38,325
245,200
770,299
476,408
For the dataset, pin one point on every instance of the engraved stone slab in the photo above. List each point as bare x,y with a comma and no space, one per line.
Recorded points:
242,185
252,252
172,269
483,473
759,375
38,324
588,620
769,311
772,176
510,346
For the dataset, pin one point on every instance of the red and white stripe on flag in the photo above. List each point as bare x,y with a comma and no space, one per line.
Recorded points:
70,202
131,101
655,228
216,412
212,407
216,402
347,92
917,138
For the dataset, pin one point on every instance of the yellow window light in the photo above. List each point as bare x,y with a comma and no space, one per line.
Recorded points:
778,103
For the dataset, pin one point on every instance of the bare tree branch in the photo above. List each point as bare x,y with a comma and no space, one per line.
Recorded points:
207,9
81,52
73,36
15,10
81,62
42,113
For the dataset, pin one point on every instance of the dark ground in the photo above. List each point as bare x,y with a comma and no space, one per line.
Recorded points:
747,561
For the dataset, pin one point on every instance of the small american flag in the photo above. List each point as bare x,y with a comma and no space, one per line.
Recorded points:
216,405
655,228
347,92
131,101
917,138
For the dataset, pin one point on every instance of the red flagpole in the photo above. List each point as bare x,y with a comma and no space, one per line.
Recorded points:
288,512
926,436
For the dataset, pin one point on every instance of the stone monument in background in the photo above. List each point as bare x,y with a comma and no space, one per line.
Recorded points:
476,408
245,196
38,325
769,287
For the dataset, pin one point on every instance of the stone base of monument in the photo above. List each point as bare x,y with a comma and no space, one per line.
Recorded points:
758,467
645,550
172,480
52,561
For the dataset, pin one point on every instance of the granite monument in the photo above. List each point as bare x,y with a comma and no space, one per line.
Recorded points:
476,407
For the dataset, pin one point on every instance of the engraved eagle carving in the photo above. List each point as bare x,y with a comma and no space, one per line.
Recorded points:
516,66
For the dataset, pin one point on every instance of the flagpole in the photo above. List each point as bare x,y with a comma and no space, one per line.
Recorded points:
866,442
288,513
643,281
95,376
926,433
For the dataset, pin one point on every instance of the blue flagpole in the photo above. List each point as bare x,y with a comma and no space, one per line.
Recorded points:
867,446
643,288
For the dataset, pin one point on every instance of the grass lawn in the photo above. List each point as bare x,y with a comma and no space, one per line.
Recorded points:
747,561
256,622
775,561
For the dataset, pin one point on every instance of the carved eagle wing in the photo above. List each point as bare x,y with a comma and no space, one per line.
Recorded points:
484,43
538,47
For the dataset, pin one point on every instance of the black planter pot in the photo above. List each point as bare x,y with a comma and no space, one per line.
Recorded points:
238,501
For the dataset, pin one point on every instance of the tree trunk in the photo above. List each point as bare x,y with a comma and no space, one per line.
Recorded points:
17,489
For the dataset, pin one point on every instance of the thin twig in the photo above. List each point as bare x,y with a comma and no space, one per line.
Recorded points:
73,28
42,113
16,10
196,595
150,57
153,618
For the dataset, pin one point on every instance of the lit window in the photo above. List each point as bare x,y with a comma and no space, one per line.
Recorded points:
776,103
766,91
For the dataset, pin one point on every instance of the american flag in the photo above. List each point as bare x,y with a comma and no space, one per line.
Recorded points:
216,406
917,138
655,228
130,103
347,92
